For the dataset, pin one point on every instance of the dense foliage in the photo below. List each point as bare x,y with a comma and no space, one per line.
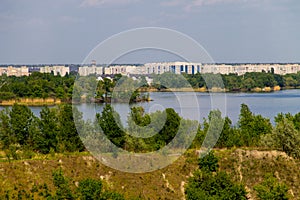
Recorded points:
89,88
248,131
209,183
232,82
100,90
43,85
209,162
109,122
54,131
285,136
22,133
271,189
37,85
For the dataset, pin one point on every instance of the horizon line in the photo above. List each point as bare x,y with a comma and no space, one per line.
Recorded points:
24,64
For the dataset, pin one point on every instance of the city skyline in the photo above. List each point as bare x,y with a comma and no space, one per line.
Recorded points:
152,68
232,31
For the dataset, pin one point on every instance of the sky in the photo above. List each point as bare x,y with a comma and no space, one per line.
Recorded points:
65,31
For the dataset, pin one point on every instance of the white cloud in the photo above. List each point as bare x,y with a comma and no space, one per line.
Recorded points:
92,3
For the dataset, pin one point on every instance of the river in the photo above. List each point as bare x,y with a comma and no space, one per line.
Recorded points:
266,104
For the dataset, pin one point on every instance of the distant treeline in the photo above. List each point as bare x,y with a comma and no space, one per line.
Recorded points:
85,89
39,85
55,131
231,82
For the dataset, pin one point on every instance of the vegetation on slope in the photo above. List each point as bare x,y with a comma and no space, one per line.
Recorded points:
27,138
248,167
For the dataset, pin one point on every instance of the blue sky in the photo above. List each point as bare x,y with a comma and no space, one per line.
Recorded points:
65,31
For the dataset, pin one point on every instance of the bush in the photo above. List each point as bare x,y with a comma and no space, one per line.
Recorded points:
89,189
61,184
206,185
271,189
209,162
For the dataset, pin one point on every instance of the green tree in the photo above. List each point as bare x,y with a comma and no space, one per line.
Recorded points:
49,131
90,189
163,128
20,119
209,183
296,121
206,185
107,86
6,136
170,128
61,184
248,83
252,126
213,128
143,82
232,82
229,136
209,162
110,123
271,189
289,81
287,138
139,117
68,137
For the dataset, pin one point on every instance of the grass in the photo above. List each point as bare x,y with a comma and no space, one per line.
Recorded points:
245,165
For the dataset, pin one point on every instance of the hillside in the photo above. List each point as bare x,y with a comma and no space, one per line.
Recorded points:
245,165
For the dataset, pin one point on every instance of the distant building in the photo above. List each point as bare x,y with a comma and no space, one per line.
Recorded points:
56,70
189,68
174,67
3,70
88,70
241,69
17,71
122,69
154,68
33,69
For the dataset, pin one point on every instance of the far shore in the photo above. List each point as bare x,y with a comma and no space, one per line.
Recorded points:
216,89
32,102
53,101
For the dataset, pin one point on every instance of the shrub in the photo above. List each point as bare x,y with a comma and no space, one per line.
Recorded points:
271,189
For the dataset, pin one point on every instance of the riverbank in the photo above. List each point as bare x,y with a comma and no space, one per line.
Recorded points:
56,101
213,89
31,101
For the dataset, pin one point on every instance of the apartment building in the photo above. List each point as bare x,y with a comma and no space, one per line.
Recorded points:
57,70
87,70
17,71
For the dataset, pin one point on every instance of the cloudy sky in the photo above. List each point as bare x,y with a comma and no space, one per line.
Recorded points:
65,31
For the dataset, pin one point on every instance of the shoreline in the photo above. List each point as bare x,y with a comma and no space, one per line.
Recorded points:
32,102
218,90
53,101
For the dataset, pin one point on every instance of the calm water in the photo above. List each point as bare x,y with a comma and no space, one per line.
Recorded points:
197,105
